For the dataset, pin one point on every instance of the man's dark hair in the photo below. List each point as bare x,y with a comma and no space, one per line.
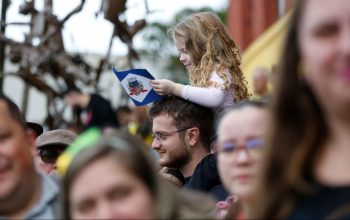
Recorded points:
13,111
186,114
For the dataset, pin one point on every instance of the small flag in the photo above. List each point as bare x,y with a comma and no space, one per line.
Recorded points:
136,82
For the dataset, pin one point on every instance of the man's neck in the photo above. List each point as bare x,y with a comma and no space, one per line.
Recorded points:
24,200
197,156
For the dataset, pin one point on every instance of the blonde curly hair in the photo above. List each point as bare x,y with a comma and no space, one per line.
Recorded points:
211,48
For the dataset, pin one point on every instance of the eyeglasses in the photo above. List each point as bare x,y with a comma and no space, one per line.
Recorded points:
252,146
50,155
162,136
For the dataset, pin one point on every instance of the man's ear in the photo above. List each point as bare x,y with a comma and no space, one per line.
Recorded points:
31,139
193,135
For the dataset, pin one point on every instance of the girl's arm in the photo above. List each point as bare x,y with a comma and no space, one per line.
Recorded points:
209,97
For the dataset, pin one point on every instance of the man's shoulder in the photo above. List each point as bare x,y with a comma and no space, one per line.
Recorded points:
205,170
206,177
47,206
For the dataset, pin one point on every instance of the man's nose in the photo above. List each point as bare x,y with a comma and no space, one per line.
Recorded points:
155,144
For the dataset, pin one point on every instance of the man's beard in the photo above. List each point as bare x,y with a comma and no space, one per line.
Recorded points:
178,158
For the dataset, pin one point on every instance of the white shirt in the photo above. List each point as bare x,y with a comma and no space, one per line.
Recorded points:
212,97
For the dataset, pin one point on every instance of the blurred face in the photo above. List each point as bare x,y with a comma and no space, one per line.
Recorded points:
260,83
107,190
73,99
324,36
46,158
240,138
173,151
185,57
17,147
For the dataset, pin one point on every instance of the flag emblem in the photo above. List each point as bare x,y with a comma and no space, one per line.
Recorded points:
135,87
136,82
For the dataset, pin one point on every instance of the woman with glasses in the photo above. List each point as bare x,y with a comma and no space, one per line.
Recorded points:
113,177
241,135
308,151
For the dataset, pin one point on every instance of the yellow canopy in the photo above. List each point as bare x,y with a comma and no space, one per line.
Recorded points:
265,50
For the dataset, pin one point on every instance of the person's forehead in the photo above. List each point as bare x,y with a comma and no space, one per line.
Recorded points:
163,120
248,118
179,41
319,11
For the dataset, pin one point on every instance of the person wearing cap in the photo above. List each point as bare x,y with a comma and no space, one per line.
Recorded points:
35,127
49,146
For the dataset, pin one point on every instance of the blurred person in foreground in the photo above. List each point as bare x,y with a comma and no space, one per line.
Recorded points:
308,151
49,146
24,192
113,177
241,135
183,134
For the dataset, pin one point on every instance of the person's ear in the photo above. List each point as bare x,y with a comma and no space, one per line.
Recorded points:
31,136
193,135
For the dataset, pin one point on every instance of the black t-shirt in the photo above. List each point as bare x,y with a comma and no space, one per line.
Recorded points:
206,178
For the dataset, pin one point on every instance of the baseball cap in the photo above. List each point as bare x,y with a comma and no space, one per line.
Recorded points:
55,137
37,128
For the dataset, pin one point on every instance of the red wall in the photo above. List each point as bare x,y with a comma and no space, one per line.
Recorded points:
247,19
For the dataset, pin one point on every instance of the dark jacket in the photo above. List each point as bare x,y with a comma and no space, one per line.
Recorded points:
206,178
100,112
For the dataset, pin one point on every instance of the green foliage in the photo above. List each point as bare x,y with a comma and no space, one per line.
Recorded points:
160,46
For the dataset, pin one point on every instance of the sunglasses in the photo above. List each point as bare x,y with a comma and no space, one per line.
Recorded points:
50,155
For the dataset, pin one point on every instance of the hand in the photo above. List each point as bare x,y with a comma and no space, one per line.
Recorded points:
164,172
163,86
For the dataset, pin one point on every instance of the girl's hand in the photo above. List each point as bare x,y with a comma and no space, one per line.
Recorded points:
163,86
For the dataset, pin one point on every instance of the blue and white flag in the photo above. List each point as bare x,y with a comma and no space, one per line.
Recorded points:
136,82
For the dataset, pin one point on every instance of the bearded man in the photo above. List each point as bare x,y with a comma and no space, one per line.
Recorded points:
182,133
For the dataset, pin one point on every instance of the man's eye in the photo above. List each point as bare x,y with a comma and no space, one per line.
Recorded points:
161,136
4,136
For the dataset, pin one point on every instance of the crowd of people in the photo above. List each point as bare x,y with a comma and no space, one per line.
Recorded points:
208,150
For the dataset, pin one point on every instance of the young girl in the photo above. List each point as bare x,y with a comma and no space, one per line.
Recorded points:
212,59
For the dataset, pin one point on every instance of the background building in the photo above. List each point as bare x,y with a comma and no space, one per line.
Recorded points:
258,27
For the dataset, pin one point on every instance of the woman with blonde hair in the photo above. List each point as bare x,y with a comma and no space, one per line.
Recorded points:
213,61
306,174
